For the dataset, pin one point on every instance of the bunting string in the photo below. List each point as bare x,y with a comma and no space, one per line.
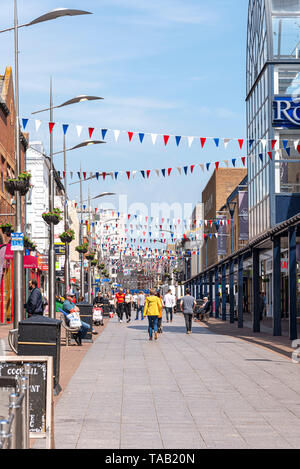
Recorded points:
164,138
276,155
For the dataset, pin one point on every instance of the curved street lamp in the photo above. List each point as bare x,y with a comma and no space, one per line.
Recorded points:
77,99
18,293
51,15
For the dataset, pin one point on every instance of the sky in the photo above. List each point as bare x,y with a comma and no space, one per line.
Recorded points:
166,66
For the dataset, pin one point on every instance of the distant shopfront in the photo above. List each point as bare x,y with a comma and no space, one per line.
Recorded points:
6,280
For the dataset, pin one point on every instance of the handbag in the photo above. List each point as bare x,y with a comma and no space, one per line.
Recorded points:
75,321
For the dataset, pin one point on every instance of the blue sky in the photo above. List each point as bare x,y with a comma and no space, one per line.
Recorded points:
167,66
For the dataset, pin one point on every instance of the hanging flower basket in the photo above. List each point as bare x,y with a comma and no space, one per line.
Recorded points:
52,217
27,242
94,262
7,229
20,184
83,248
29,245
67,237
90,256
10,186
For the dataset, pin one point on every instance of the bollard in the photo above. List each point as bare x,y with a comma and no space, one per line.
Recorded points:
5,434
15,406
24,386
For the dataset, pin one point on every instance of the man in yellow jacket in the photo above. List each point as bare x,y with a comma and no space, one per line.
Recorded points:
153,310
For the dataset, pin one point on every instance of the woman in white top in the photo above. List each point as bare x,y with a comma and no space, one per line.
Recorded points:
127,305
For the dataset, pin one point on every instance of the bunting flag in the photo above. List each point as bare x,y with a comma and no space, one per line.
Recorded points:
177,138
184,169
130,135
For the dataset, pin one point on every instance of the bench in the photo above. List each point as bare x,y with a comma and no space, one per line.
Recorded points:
69,331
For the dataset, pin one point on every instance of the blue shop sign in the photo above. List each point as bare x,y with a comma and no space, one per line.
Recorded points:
286,112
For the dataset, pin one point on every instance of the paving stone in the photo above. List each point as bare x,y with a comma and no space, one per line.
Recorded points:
205,390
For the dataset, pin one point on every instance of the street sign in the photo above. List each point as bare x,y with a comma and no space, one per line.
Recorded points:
60,249
17,242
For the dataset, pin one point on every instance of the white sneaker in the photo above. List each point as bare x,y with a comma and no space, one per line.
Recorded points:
121,320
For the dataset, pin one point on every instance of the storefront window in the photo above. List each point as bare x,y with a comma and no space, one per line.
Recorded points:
289,171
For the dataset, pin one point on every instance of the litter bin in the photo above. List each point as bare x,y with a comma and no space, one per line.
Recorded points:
40,336
86,315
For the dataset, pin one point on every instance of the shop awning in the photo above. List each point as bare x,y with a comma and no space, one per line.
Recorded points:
30,262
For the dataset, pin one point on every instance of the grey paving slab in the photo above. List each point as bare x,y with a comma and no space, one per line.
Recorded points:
199,391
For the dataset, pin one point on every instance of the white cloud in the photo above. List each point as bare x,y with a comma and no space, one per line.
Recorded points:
168,11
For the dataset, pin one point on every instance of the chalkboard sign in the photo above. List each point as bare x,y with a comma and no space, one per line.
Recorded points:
40,391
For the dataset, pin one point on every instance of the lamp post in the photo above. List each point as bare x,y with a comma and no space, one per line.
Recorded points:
77,99
103,194
231,207
18,262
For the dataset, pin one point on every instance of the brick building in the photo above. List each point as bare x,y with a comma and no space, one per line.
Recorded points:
220,186
7,166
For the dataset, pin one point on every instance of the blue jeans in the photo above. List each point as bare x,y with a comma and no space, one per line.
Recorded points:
169,311
83,330
153,322
140,309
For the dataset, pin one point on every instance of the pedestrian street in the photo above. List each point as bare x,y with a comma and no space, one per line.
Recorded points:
202,390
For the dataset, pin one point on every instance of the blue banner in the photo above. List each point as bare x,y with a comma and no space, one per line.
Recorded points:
286,112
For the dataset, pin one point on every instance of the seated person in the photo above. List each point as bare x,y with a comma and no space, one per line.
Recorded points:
98,301
67,308
205,309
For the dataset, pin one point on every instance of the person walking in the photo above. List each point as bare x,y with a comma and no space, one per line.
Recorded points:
34,303
153,308
127,305
140,305
174,299
187,305
119,304
168,303
159,322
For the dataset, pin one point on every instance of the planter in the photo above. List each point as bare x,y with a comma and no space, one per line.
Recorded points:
82,249
7,230
94,263
67,236
66,239
9,187
17,185
90,257
22,185
27,244
51,218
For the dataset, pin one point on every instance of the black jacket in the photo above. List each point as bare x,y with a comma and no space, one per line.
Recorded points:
34,304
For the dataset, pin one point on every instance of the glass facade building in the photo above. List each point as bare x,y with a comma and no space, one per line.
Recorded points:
273,112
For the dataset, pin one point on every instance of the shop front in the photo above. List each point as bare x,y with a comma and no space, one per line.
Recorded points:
7,281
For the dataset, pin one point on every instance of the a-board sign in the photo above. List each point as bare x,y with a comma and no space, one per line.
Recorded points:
40,392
